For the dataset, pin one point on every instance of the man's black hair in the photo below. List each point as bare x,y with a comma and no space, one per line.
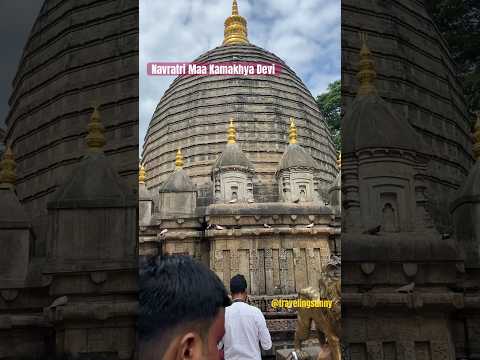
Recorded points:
238,284
177,291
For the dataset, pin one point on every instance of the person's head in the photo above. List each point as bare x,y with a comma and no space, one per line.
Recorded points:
238,287
181,310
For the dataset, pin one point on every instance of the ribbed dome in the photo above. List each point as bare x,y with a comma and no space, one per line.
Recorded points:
194,112
370,123
78,53
296,157
233,156
417,77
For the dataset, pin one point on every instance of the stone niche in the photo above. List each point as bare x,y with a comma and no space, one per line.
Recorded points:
297,185
233,185
390,195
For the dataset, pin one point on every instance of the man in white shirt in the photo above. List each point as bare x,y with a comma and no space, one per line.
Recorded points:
245,325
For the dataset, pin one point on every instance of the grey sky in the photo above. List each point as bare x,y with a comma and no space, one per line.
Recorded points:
304,33
16,20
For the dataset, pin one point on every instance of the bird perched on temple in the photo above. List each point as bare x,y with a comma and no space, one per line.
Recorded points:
296,200
373,231
309,226
62,300
218,227
163,232
250,201
266,226
209,226
233,201
406,288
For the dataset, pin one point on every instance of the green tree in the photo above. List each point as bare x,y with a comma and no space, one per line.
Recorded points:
329,104
459,23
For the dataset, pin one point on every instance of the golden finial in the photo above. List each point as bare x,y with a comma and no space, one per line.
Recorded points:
476,137
366,74
232,133
141,174
95,138
339,160
179,159
7,167
234,7
235,28
292,132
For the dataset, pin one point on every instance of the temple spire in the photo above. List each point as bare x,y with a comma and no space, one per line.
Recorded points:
292,132
476,137
179,160
339,160
141,174
366,74
232,133
95,137
235,28
7,168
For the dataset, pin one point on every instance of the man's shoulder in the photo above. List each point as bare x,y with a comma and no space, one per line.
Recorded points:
254,310
244,307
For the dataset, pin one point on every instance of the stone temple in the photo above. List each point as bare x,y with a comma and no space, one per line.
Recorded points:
237,172
410,194
68,185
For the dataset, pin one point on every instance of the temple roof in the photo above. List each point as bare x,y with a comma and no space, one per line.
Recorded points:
178,181
232,155
94,182
296,156
370,121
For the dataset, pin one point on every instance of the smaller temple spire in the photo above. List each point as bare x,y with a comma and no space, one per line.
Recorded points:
95,137
235,28
366,74
476,137
339,160
141,174
179,160
292,132
7,168
232,133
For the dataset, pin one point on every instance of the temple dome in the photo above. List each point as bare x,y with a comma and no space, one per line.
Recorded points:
233,156
94,183
371,123
193,111
296,157
178,181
